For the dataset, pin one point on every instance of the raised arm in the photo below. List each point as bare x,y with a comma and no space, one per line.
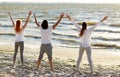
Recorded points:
104,18
36,21
73,22
56,24
11,19
26,22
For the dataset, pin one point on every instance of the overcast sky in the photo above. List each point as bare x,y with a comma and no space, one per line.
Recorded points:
64,1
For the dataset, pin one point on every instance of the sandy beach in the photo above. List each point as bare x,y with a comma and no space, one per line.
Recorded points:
105,40
106,63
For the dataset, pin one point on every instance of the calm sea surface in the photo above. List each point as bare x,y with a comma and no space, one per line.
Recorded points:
65,35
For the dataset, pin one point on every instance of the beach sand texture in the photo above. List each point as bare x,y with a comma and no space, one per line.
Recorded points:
106,63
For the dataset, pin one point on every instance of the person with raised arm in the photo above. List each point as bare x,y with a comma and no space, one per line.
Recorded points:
19,36
46,33
85,37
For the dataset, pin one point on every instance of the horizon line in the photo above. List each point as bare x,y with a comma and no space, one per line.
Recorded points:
59,2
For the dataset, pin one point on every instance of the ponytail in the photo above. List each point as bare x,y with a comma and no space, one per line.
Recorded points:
84,26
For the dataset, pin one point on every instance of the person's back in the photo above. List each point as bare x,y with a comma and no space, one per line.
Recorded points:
86,38
46,35
19,36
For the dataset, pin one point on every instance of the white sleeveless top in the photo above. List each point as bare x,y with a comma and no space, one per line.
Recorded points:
19,37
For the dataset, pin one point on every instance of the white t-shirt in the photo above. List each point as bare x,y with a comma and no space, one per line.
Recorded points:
86,37
46,35
19,36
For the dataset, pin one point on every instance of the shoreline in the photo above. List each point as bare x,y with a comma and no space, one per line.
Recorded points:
98,55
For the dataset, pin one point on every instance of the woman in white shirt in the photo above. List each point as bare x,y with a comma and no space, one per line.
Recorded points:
85,37
46,33
19,32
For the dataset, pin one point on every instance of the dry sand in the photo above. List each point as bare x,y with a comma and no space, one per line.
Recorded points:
106,63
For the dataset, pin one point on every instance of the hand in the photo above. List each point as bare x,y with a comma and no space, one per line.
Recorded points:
9,13
30,12
105,17
68,16
62,15
34,15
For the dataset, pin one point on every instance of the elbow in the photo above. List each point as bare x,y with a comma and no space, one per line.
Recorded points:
53,27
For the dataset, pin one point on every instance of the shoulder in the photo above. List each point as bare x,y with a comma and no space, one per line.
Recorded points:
50,27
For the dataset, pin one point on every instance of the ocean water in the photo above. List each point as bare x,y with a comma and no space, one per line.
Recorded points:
107,35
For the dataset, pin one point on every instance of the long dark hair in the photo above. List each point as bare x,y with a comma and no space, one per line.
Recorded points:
17,28
44,24
84,27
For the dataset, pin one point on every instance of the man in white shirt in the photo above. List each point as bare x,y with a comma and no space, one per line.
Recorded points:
46,33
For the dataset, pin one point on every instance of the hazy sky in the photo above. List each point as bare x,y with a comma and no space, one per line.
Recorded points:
68,1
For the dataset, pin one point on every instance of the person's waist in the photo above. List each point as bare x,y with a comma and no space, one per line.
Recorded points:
85,41
19,41
45,44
